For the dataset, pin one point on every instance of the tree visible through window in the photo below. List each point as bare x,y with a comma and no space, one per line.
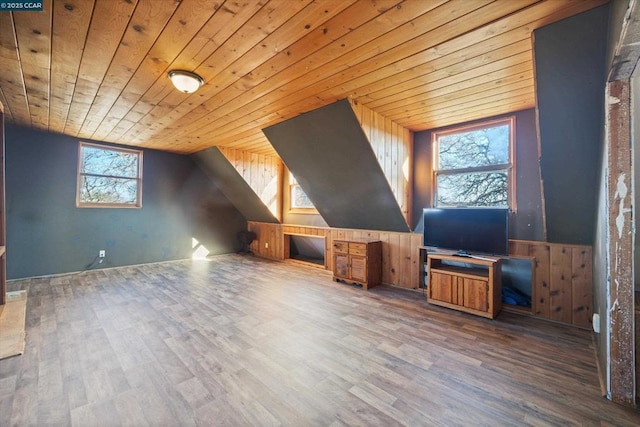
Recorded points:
473,165
109,177
299,199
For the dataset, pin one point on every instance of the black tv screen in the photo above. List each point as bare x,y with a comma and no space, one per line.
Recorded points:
468,230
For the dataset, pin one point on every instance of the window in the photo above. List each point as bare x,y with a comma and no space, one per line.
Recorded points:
109,177
299,200
473,165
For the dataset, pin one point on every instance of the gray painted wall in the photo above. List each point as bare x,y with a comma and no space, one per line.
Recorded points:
570,58
526,223
47,234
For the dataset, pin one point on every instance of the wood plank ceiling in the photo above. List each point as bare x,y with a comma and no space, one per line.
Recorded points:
97,69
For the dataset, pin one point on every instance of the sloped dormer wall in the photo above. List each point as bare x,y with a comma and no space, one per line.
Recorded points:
233,185
332,159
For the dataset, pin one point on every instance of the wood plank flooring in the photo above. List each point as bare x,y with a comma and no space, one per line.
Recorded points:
242,341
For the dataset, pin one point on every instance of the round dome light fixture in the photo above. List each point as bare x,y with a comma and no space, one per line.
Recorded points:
185,81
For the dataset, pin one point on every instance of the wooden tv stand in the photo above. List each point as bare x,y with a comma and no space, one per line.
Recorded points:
466,283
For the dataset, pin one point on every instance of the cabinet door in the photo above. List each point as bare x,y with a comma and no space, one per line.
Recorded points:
341,266
476,294
359,268
441,287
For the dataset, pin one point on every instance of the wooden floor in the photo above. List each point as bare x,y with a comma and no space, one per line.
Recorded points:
241,341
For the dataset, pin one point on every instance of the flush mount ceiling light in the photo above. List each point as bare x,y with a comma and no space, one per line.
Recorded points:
185,81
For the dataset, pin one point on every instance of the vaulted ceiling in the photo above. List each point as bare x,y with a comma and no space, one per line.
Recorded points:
97,69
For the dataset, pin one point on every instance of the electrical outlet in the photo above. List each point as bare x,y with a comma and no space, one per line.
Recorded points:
102,254
266,245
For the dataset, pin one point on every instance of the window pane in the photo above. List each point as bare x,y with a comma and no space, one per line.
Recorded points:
99,161
473,189
481,147
299,198
96,189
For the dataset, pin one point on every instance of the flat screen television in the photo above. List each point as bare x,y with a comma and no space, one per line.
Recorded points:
467,230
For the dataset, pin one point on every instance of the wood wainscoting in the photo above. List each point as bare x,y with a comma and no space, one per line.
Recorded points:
562,286
400,254
561,276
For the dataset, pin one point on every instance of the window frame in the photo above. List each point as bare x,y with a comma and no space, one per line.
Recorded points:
509,168
80,175
293,182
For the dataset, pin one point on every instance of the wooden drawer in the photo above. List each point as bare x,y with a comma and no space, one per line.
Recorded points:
356,248
341,247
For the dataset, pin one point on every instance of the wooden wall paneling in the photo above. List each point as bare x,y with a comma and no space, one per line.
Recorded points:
393,246
267,233
407,173
255,175
386,260
560,285
518,248
257,228
286,250
263,173
392,145
581,286
246,165
328,249
405,256
277,236
372,235
561,280
561,276
416,243
542,271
